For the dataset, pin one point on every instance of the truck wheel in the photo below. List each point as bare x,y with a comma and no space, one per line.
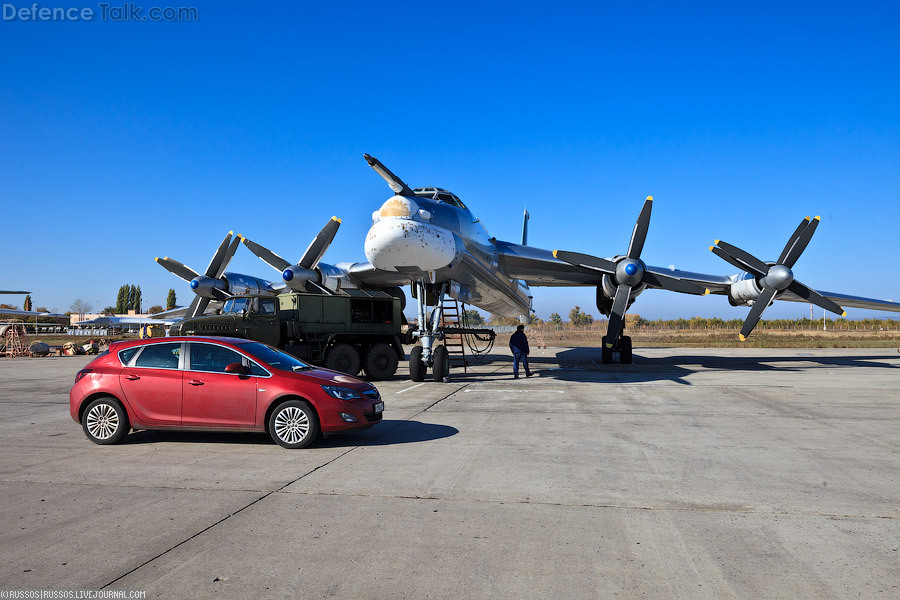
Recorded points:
441,367
416,364
343,358
381,362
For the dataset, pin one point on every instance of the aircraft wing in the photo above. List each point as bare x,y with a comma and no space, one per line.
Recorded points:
114,321
845,300
538,267
28,313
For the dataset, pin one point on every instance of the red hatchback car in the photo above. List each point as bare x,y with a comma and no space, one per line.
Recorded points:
223,384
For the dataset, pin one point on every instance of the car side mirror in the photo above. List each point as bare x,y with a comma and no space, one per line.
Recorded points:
237,369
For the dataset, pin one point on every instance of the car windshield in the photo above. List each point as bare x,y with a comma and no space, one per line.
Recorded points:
274,357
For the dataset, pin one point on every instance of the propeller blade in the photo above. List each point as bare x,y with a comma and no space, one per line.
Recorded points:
757,265
176,268
320,244
756,311
802,241
216,261
586,260
197,307
639,234
673,284
267,256
793,240
737,263
617,314
807,293
229,254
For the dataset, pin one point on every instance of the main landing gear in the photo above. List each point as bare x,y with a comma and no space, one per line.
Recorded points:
621,348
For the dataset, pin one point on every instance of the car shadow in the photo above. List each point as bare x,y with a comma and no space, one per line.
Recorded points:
387,433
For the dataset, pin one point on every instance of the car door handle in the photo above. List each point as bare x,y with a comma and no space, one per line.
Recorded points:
132,377
195,382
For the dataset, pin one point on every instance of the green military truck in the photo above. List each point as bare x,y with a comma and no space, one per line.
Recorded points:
345,331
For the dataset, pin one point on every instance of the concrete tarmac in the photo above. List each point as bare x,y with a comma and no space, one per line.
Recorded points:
689,474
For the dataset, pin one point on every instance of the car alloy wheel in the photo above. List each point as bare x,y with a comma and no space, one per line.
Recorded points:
105,422
293,425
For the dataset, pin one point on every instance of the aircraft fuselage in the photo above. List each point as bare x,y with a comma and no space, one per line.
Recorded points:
437,239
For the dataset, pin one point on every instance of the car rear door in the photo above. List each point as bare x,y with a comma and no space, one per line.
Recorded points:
151,382
212,397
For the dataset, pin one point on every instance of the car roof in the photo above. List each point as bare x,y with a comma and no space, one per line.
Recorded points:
181,338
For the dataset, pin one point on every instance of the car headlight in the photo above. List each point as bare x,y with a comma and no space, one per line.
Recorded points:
341,393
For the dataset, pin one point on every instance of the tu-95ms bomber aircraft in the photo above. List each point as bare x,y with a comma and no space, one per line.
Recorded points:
427,238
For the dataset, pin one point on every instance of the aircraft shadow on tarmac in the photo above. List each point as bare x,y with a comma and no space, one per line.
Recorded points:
387,433
583,364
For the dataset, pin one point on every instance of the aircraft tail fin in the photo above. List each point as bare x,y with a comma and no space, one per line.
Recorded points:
525,228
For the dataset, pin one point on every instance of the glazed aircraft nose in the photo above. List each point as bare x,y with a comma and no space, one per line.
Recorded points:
396,241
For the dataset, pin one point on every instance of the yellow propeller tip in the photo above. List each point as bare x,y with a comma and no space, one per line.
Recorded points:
554,253
806,218
706,291
844,314
711,248
609,345
650,198
231,232
818,218
166,258
156,259
716,242
742,338
335,219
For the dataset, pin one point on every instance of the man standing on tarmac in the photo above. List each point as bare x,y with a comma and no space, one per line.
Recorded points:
518,343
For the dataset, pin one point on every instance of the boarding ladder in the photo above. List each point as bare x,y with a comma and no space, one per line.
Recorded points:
16,344
450,319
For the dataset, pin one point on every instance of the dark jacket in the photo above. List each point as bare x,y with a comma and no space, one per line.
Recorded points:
519,343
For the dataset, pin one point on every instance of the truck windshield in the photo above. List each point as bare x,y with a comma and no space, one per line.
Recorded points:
273,357
235,305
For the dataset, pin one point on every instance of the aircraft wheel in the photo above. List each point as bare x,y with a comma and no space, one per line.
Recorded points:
605,353
625,353
343,358
381,362
441,367
416,364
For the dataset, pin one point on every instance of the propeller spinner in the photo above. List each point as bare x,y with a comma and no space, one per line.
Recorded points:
778,277
629,272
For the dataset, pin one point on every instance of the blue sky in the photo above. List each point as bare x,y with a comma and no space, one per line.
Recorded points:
125,141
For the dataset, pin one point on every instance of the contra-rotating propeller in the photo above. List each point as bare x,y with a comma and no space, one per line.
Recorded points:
629,272
777,277
302,276
210,285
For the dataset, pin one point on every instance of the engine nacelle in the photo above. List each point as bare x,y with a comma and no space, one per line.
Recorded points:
606,291
296,277
238,283
204,286
744,292
333,277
